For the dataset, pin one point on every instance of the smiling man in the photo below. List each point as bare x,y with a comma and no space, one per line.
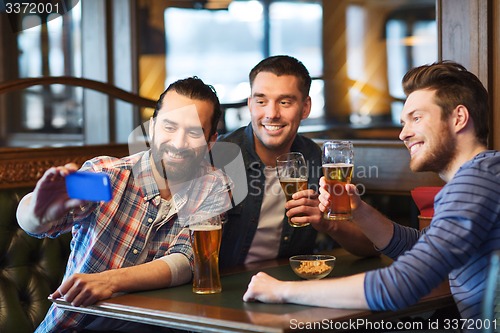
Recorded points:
258,229
179,143
445,127
137,240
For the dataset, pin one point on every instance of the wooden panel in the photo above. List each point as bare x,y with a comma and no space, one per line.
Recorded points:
464,34
8,69
495,70
470,35
335,60
23,167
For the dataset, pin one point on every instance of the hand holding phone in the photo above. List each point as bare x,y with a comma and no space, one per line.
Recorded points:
90,186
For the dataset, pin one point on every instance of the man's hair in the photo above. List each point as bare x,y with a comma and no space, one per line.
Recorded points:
284,65
194,88
454,86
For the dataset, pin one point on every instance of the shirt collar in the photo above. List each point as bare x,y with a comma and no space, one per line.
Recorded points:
298,144
143,175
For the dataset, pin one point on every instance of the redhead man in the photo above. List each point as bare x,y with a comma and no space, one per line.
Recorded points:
445,128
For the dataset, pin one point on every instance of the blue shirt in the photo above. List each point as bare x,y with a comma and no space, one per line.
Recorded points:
463,233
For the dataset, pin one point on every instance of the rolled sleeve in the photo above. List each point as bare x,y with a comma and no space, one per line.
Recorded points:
180,268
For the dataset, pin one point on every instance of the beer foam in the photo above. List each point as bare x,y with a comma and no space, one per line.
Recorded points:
293,180
338,165
204,227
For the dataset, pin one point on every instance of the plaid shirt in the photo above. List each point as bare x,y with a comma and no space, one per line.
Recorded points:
110,235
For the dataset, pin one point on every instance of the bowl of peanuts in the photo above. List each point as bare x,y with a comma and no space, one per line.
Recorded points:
312,266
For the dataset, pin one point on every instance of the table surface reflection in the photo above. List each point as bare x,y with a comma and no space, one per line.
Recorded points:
180,308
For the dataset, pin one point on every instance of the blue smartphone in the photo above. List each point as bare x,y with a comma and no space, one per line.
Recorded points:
90,186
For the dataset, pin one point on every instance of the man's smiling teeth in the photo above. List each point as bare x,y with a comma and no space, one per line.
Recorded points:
415,147
272,127
174,155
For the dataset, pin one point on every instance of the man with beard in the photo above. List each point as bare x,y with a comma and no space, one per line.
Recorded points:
257,229
137,240
445,128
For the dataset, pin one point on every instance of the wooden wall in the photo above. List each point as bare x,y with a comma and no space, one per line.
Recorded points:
22,167
470,34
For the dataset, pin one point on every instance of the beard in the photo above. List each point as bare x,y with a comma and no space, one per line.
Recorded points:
177,171
440,156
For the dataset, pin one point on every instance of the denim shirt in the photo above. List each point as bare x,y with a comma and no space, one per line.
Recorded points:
239,230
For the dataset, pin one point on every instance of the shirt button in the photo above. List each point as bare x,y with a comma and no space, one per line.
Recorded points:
135,251
285,238
150,220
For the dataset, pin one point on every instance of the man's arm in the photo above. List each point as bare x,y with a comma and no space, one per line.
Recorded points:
345,233
42,209
367,220
87,289
348,235
347,292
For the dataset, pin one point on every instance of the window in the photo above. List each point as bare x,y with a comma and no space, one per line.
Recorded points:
411,41
221,47
49,45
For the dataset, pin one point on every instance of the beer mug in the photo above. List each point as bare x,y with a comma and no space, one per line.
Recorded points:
293,175
338,165
206,237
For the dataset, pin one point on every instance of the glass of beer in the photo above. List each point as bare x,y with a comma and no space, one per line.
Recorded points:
338,165
205,237
293,175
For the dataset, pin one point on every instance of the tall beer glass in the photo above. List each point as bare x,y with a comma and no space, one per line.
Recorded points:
293,175
205,239
338,165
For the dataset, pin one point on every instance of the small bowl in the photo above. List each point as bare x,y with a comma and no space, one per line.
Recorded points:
312,266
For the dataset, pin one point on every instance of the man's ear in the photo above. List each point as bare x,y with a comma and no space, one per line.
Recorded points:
151,125
212,140
151,128
461,118
307,108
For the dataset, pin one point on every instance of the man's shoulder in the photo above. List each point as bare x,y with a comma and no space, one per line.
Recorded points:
236,136
490,160
101,163
483,169
208,174
306,145
485,162
307,141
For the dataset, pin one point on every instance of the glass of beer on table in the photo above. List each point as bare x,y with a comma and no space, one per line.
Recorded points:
206,234
338,165
293,175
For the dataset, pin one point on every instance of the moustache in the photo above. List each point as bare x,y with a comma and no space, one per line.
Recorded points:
183,153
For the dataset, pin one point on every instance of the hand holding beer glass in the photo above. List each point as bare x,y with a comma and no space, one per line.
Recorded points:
338,165
206,236
293,175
